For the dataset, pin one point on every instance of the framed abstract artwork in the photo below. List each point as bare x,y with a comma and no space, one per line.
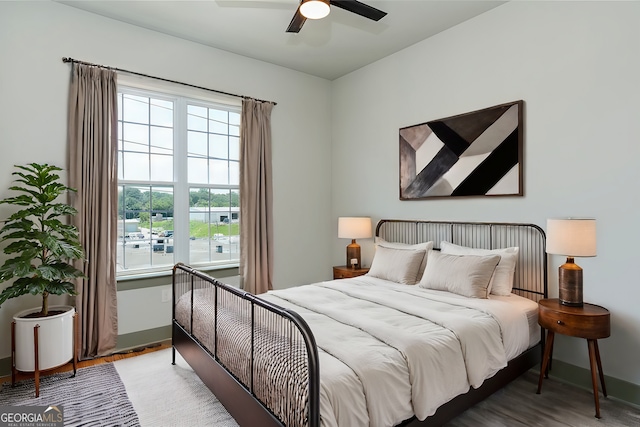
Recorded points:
473,154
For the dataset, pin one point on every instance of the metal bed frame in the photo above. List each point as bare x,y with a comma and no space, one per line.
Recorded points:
264,334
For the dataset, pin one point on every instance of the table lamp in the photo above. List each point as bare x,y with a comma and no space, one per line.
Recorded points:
354,228
572,237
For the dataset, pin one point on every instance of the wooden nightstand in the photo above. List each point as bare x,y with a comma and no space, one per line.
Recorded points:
344,272
591,322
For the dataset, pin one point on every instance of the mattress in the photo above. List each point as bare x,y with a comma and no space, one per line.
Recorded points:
530,309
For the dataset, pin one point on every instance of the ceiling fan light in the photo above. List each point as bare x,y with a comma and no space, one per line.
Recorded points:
314,9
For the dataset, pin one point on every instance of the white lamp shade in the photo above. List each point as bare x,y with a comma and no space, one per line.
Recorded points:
354,227
574,237
314,9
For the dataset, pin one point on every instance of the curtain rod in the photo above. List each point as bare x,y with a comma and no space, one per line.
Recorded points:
64,59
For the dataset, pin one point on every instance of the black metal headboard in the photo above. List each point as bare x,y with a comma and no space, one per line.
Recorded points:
530,280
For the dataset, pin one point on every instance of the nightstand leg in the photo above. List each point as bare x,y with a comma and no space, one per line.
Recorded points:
604,389
594,379
546,373
546,358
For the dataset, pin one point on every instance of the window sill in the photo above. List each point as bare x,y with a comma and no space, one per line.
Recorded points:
163,277
169,272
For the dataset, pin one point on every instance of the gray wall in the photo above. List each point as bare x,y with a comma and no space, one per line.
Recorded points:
576,66
34,85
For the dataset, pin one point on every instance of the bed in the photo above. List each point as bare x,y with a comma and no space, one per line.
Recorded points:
385,358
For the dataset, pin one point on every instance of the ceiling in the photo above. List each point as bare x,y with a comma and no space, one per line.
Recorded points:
327,48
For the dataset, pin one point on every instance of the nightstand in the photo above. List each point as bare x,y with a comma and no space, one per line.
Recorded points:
590,322
344,272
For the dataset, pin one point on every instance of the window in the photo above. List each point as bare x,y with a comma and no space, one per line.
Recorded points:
178,178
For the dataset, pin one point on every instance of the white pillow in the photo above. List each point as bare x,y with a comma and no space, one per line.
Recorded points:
466,275
397,265
426,247
502,280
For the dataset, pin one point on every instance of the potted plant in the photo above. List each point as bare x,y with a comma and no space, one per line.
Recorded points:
40,250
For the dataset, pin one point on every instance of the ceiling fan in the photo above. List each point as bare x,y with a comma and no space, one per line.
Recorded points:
316,9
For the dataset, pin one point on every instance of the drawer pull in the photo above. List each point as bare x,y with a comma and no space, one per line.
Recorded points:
560,322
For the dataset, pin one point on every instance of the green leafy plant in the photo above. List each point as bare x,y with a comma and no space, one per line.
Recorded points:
41,244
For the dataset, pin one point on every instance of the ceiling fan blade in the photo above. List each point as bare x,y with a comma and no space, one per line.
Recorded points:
297,22
359,9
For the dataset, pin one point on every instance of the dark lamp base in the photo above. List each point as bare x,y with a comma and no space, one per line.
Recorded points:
353,252
572,304
570,284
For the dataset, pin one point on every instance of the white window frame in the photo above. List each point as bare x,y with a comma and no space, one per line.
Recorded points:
181,96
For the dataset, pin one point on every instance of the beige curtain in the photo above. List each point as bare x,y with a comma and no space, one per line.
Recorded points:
93,172
256,197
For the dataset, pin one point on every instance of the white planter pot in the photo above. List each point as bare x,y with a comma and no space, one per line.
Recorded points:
55,339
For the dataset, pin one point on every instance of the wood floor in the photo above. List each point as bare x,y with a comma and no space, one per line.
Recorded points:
98,361
559,404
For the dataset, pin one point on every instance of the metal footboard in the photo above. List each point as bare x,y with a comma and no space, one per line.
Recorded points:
269,350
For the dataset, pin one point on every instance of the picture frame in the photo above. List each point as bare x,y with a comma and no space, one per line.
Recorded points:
479,153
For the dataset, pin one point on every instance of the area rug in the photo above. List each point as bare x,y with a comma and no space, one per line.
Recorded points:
94,397
170,395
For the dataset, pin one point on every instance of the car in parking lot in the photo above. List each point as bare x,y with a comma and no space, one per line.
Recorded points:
134,236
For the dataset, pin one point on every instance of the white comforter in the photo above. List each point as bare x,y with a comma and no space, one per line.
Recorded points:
390,351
